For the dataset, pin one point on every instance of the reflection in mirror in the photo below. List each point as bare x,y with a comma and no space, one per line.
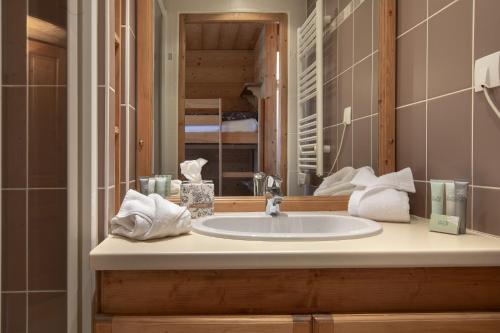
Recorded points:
233,80
350,93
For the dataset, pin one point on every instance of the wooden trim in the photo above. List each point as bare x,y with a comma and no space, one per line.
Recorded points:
118,97
144,89
103,324
283,47
206,324
484,322
181,88
238,17
387,87
290,203
307,291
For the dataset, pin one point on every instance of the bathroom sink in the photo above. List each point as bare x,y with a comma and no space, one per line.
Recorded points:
286,226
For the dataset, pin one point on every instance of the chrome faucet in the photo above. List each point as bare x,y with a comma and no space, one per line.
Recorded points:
273,195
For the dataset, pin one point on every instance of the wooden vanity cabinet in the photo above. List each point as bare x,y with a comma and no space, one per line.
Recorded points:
395,300
408,323
207,324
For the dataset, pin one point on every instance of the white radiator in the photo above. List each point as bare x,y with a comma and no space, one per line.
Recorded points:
310,92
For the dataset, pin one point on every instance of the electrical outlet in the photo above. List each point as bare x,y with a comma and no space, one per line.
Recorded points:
347,115
301,178
487,72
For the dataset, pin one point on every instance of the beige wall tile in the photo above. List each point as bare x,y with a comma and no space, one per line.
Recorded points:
450,47
14,137
47,226
411,66
486,212
101,134
330,103
449,137
330,139
486,140
345,40
46,313
410,13
374,143
13,42
411,139
418,200
435,5
362,93
487,23
47,137
14,240
363,30
13,313
361,142
344,93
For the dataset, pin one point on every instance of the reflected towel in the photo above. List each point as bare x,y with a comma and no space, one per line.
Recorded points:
340,183
148,217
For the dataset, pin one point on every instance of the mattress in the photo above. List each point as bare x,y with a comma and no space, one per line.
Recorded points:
243,125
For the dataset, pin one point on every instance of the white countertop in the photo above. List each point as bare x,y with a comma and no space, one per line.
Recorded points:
399,245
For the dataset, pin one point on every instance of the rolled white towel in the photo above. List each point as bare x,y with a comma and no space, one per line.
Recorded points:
148,217
401,180
380,204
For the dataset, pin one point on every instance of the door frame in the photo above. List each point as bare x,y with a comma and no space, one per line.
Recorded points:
282,20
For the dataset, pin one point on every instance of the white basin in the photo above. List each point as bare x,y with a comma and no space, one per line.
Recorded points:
286,226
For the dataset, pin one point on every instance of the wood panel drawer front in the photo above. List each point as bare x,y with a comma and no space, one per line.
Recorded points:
408,323
221,324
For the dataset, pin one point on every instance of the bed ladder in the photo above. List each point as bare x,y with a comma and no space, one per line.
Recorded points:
310,93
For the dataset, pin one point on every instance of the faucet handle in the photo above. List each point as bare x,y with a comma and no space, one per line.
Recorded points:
273,184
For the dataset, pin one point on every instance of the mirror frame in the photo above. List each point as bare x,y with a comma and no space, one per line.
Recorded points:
386,103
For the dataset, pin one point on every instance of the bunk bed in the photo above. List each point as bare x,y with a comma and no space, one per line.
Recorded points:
206,132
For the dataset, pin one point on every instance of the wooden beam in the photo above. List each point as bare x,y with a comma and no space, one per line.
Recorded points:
387,86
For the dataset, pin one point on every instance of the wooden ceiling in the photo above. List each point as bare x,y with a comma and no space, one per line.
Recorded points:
222,36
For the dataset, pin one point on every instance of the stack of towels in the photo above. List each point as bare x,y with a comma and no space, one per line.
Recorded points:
383,198
148,217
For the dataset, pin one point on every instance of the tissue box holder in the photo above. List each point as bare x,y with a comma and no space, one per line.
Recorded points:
198,198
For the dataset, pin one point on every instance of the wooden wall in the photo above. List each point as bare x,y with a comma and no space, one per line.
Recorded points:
218,73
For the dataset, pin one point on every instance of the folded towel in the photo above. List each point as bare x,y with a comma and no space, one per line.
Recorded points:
147,217
383,198
401,180
380,204
340,183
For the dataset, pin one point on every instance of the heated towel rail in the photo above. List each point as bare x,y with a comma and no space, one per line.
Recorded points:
310,92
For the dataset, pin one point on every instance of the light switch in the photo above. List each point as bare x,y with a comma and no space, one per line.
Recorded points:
347,115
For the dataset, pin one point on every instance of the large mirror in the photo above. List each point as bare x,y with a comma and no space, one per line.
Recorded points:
260,93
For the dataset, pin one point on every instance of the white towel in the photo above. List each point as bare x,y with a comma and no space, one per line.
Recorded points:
340,182
380,204
383,198
401,180
147,217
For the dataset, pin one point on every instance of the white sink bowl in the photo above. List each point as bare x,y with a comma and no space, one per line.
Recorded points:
286,226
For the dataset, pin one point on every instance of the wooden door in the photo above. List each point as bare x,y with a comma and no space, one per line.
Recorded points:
408,323
223,324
